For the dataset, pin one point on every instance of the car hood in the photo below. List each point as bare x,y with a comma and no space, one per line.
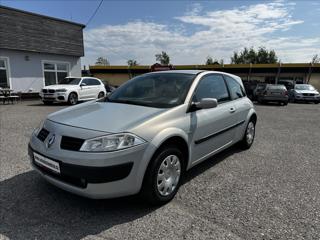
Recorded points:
59,86
306,91
105,116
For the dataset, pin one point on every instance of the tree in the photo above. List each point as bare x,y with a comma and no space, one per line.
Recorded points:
210,61
163,58
262,55
132,62
315,59
102,61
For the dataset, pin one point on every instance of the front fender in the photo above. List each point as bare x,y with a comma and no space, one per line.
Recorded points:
155,143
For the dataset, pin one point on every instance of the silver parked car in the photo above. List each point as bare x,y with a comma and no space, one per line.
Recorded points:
144,136
304,93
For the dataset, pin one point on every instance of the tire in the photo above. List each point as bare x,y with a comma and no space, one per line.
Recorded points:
73,98
247,141
47,102
285,103
100,95
317,102
159,186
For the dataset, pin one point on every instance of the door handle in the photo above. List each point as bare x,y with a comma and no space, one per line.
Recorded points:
232,110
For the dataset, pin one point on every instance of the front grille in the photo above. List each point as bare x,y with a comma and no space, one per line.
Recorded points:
71,143
308,94
43,134
44,90
51,91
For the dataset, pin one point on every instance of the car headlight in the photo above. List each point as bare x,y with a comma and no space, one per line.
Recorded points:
111,142
61,90
40,126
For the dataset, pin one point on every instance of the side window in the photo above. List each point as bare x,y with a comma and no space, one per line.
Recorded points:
93,82
212,86
86,81
235,88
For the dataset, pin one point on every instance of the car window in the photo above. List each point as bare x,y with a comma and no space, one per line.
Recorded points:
211,86
159,90
94,82
86,81
235,88
260,87
273,87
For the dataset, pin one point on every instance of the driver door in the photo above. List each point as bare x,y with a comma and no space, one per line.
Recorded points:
84,91
214,127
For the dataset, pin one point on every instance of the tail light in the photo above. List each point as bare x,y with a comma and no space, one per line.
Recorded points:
285,93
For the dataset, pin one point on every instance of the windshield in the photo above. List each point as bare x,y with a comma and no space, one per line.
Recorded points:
259,87
159,90
304,87
71,81
276,87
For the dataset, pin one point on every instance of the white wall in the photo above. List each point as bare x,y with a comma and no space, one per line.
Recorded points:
25,75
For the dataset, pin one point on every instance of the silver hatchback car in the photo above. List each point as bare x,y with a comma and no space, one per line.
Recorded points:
144,136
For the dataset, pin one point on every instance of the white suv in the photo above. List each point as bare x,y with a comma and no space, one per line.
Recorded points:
72,90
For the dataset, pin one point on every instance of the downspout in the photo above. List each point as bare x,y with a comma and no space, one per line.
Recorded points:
310,72
278,74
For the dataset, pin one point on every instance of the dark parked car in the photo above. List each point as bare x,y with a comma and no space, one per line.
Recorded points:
259,88
250,86
273,93
108,87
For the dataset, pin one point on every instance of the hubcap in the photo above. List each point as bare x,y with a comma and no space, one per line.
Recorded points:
250,133
168,175
73,99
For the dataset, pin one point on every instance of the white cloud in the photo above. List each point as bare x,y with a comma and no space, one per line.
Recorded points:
218,33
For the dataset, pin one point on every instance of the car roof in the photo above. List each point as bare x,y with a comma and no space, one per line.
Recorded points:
194,72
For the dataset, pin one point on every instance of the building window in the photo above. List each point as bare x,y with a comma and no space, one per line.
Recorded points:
54,73
4,77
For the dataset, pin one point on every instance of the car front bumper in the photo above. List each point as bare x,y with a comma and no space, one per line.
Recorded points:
307,98
54,97
92,175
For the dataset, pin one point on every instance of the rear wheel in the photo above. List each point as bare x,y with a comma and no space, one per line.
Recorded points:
163,176
317,102
73,98
285,103
249,135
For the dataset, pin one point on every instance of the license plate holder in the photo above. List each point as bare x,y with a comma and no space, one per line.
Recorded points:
46,163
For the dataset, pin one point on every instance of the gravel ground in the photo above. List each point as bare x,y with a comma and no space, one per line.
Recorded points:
271,191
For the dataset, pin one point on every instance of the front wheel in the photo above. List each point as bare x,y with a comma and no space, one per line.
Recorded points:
163,177
249,135
73,98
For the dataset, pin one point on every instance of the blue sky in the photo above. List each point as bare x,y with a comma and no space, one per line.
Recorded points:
188,30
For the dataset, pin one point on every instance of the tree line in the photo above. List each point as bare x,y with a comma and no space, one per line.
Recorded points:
245,56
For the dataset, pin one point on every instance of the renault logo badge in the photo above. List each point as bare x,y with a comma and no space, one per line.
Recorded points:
51,140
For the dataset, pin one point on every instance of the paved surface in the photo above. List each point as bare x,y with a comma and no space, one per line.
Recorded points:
271,191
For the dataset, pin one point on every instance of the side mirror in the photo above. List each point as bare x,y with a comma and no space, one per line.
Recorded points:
204,103
83,84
